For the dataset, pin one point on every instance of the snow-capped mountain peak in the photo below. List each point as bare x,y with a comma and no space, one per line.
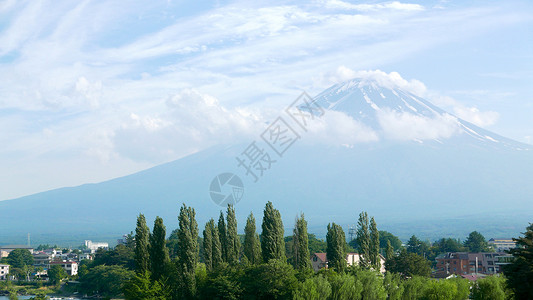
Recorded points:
397,114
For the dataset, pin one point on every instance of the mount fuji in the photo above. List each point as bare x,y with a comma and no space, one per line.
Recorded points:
377,147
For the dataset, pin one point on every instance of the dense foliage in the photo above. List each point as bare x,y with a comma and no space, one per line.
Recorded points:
197,269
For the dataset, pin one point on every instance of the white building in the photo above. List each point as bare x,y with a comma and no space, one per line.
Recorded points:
95,246
502,245
5,250
4,271
71,267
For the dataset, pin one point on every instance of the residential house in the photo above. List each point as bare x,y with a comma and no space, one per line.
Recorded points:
4,271
71,267
84,256
319,261
463,263
4,250
502,245
42,259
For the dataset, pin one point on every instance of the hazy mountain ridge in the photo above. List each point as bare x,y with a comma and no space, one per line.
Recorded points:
402,182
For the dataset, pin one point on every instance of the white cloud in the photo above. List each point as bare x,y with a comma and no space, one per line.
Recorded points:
337,128
407,126
468,113
192,121
90,79
394,5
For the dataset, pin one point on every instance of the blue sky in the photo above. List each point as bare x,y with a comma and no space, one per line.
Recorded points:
92,90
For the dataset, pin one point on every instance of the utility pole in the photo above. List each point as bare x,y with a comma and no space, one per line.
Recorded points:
351,233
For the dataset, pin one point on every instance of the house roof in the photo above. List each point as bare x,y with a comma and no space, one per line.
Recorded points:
16,247
321,256
63,262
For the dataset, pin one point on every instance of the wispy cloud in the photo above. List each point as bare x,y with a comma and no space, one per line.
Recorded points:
86,82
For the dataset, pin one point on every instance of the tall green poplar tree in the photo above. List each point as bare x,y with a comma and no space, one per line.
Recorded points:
301,244
336,248
375,260
272,242
159,258
216,247
142,256
252,247
187,251
363,240
233,242
208,246
222,236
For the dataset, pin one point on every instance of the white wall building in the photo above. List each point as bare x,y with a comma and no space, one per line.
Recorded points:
71,267
4,271
95,246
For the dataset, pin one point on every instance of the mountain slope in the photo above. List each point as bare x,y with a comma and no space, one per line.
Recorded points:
410,179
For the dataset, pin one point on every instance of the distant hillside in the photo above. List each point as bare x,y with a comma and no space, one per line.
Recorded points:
442,186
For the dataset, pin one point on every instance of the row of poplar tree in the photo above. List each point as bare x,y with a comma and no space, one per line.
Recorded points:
156,278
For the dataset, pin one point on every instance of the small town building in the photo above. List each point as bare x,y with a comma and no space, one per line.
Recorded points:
95,246
5,250
71,267
4,271
502,245
463,263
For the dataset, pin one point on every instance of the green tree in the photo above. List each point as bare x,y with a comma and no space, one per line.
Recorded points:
252,247
56,273
315,288
372,282
142,287
272,242
142,256
222,283
445,245
519,272
159,258
490,288
18,258
233,242
390,251
408,265
363,240
414,245
208,246
414,288
336,248
345,287
222,236
301,244
439,290
273,280
463,287
385,236
106,281
476,242
188,252
375,260
121,255
172,244
393,285
216,247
